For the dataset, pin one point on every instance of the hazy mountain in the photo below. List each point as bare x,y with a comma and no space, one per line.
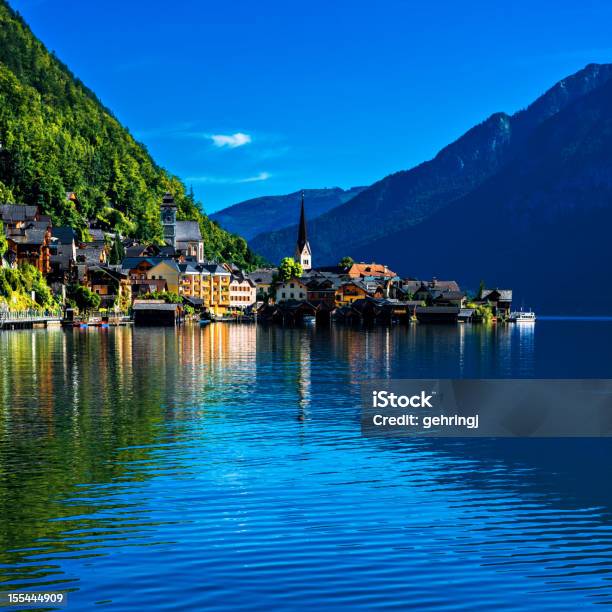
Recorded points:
270,213
378,216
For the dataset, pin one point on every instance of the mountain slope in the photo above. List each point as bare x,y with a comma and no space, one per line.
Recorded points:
56,136
540,226
270,213
407,198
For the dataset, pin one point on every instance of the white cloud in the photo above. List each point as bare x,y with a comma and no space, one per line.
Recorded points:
262,176
225,180
231,141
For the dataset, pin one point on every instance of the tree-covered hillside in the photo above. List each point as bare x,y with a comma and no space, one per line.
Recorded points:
56,136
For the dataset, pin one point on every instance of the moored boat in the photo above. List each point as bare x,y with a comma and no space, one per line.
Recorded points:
522,316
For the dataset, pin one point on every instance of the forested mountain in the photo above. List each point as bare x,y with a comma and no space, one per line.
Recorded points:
270,213
56,136
380,214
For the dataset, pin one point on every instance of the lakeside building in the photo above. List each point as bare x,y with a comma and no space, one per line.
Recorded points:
63,253
194,282
242,292
31,246
111,284
204,285
450,298
263,278
28,234
292,289
421,289
353,290
500,300
167,270
156,312
370,270
137,271
219,300
322,289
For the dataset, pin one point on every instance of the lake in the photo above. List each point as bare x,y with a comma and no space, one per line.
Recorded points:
223,468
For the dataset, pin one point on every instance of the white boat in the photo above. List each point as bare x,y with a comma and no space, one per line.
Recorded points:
522,316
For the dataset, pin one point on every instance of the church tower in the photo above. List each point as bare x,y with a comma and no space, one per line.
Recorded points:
168,217
303,254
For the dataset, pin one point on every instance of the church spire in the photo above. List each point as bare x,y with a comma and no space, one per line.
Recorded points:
302,235
302,248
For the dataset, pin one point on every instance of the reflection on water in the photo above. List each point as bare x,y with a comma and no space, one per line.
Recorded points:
224,466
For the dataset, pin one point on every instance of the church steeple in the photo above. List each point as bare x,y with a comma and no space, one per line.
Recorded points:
168,217
303,253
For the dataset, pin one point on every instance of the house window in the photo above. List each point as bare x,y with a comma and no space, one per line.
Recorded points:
283,294
292,285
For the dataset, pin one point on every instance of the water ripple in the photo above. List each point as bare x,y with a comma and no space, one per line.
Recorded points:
223,468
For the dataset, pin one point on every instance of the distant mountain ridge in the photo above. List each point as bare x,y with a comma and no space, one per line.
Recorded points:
271,213
407,198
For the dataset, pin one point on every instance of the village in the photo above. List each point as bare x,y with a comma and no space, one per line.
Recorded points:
112,277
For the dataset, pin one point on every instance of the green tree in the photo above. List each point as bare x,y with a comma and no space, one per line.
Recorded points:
346,262
85,298
289,268
3,240
117,252
167,296
25,287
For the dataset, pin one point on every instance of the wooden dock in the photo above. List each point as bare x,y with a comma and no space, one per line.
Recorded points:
28,319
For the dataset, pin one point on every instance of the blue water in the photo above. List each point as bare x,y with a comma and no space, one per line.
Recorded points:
223,468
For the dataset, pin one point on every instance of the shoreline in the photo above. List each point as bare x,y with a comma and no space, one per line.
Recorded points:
545,318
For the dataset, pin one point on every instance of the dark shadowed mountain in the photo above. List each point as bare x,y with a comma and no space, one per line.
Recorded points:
439,197
270,213
541,225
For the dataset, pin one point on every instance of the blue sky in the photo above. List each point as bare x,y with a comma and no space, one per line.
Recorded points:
242,99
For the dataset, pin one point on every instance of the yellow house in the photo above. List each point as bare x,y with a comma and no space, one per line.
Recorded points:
193,281
169,271
219,288
349,292
209,283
